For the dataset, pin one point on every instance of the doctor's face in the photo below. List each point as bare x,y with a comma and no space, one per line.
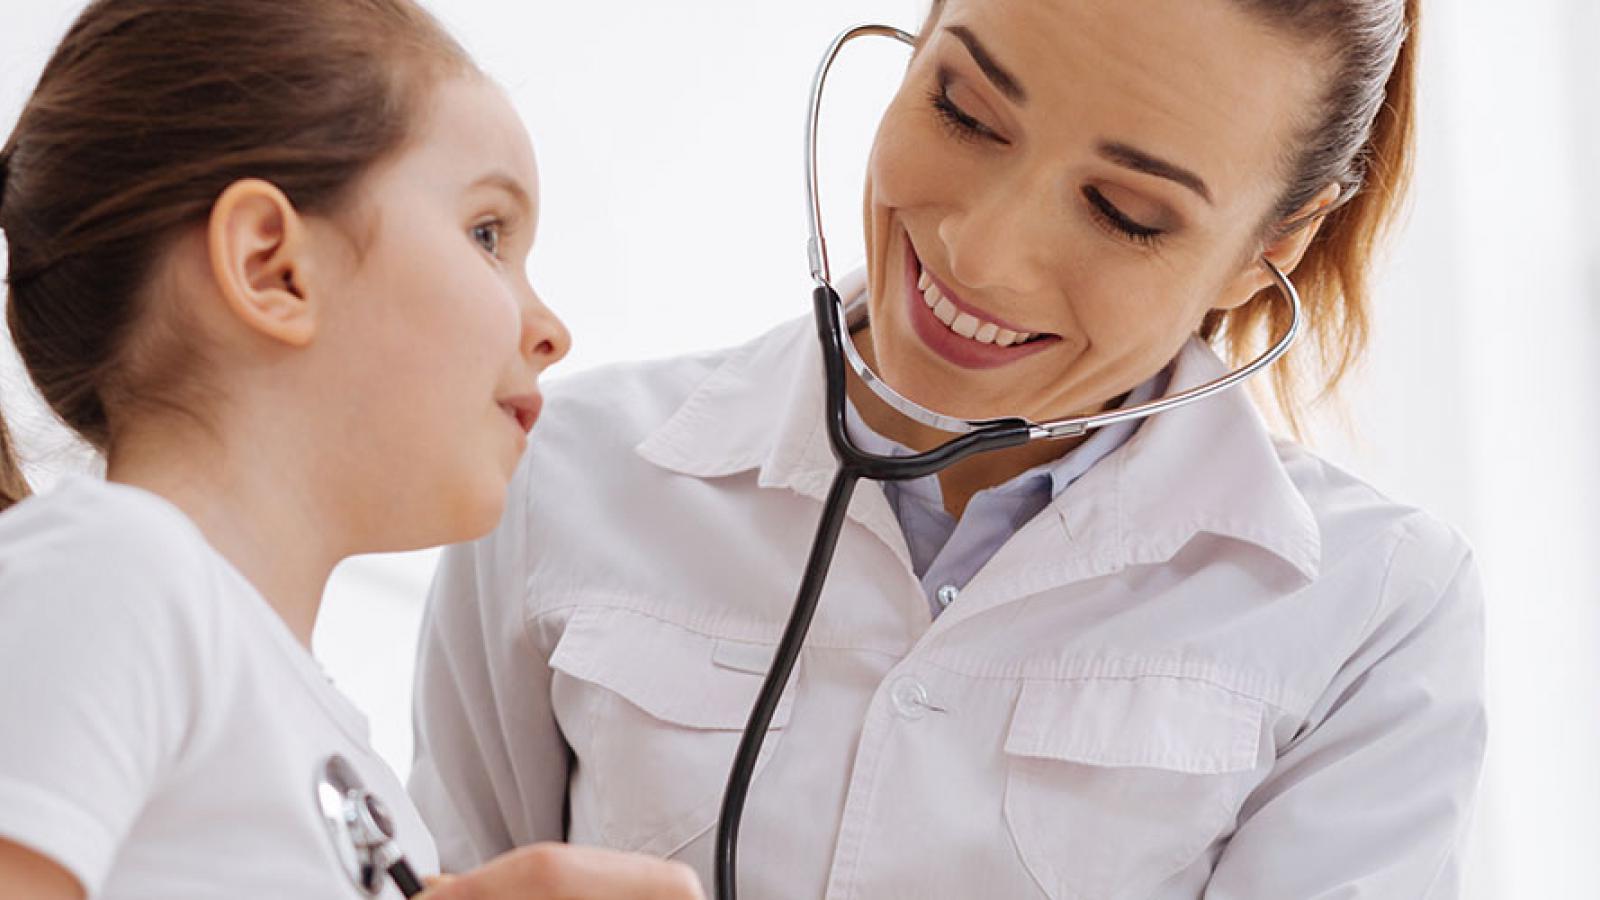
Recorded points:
1062,189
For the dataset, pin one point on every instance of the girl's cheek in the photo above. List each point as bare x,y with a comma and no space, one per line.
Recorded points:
503,320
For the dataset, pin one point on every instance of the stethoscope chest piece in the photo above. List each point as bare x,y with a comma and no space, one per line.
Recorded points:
359,826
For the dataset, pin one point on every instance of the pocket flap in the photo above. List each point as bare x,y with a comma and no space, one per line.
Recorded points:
672,673
1158,722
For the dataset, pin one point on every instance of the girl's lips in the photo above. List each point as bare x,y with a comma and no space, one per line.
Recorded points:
523,409
953,348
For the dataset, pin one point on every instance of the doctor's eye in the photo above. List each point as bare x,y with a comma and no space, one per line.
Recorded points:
961,123
488,235
1107,214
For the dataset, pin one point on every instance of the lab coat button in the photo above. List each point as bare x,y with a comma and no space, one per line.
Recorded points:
910,698
947,595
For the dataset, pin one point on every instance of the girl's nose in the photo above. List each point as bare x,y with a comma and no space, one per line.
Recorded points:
545,338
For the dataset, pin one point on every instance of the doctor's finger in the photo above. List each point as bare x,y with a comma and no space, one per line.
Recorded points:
565,872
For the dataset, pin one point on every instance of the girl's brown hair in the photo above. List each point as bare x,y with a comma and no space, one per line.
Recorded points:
145,113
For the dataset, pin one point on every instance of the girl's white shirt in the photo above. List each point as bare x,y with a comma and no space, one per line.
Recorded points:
161,730
1215,666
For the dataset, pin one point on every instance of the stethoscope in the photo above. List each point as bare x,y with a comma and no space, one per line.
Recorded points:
835,324
361,831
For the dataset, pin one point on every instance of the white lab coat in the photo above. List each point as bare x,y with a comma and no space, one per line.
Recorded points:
1216,666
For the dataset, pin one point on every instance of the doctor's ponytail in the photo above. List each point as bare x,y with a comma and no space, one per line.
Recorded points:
1364,141
146,112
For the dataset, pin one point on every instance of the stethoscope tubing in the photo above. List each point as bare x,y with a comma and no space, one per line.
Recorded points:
854,465
405,879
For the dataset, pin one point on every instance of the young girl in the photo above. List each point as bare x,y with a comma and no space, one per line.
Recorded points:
270,259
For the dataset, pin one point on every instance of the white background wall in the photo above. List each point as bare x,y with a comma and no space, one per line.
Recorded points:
669,137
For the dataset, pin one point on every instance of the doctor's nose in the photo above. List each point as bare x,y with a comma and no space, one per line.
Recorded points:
997,242
545,338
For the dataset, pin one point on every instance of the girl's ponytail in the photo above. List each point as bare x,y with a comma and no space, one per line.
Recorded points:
13,487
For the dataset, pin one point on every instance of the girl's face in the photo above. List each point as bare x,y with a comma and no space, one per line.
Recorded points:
435,333
1062,189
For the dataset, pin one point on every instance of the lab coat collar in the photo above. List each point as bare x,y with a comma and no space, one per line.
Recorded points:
1210,467
763,409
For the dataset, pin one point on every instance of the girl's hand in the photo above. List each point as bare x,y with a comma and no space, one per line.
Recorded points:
568,872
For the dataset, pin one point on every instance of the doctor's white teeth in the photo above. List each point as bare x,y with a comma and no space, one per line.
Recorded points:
966,324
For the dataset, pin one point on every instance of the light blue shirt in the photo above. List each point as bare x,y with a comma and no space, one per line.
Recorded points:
946,552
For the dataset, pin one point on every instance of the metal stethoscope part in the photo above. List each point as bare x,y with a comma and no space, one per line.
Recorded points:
361,831
834,326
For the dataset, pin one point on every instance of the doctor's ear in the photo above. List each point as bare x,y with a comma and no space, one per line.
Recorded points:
258,248
1287,248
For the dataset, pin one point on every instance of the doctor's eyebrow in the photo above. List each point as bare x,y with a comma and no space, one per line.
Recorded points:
1121,154
1140,161
998,75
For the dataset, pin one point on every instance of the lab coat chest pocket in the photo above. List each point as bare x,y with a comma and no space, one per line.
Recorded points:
653,712
1114,785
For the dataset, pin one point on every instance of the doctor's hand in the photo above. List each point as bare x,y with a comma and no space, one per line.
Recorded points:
568,872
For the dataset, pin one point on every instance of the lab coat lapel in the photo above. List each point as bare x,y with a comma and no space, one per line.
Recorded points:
764,409
1210,468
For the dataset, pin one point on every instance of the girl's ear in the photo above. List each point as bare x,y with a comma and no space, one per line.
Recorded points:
257,244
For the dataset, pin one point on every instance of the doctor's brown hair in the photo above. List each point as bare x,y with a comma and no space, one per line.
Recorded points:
1362,139
143,116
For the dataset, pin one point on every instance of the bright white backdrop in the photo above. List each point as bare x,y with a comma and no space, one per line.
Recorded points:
669,144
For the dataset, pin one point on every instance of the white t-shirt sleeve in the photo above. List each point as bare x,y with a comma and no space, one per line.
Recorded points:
100,674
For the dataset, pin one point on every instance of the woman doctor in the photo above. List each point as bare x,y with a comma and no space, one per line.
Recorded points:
1180,659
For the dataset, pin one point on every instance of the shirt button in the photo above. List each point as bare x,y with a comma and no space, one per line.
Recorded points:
947,595
910,698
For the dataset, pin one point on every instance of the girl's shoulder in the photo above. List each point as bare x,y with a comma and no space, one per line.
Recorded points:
89,548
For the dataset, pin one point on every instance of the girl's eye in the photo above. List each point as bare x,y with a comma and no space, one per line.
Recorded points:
487,234
960,122
1107,214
